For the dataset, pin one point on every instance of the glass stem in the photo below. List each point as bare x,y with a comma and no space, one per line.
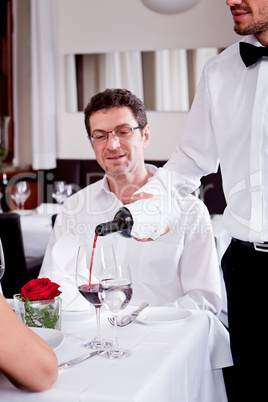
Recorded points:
98,335
115,343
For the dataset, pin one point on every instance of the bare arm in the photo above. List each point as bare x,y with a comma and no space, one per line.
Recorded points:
27,361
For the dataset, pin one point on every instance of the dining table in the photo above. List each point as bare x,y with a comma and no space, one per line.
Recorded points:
178,359
36,227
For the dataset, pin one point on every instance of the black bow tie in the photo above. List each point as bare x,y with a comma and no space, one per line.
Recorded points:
251,54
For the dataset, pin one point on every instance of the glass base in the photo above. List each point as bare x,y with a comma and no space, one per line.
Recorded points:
96,344
116,353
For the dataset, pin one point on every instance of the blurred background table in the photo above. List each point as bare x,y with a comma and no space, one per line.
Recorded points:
36,231
36,226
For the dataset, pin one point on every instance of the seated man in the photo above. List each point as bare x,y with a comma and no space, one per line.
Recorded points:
26,360
178,269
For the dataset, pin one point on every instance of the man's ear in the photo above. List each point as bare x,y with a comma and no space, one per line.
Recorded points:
146,136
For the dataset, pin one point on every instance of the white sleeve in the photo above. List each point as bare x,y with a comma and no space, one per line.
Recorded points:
195,156
198,266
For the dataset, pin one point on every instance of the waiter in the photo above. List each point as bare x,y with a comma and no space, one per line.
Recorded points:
228,124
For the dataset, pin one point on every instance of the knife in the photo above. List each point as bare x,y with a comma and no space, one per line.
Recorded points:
65,365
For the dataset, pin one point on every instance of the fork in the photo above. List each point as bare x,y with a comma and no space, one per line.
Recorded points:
127,319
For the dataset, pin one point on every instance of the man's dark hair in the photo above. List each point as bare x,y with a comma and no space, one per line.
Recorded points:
111,98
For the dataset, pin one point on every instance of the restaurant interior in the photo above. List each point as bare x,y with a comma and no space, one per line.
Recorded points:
55,55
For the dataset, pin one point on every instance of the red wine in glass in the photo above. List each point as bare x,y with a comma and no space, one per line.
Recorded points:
90,291
91,294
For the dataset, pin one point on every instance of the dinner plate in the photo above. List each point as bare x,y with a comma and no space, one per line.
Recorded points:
53,337
163,315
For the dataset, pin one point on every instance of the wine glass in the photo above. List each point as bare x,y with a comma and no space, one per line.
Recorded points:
2,262
59,191
88,286
115,293
21,193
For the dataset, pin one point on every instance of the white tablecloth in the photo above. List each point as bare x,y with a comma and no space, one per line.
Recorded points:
169,363
36,230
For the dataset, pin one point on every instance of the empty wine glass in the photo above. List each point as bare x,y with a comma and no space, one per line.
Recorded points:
88,286
21,193
2,262
59,191
115,293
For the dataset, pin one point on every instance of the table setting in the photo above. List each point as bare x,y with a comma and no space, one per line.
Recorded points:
122,352
179,361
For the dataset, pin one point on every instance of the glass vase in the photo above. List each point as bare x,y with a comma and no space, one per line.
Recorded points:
40,313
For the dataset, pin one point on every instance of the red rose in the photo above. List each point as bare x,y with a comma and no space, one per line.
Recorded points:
40,288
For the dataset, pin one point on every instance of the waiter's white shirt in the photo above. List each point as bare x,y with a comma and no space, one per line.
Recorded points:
228,122
178,269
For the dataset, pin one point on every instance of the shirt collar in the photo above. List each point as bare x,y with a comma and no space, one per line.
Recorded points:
105,186
252,39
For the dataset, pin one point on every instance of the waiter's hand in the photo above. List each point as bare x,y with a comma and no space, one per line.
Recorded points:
146,196
145,240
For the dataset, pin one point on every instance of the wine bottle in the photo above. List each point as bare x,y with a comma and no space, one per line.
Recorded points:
152,217
121,223
4,204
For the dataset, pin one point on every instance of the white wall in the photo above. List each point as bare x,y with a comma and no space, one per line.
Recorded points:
96,26
90,26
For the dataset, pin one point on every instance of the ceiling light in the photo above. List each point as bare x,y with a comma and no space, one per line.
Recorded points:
169,6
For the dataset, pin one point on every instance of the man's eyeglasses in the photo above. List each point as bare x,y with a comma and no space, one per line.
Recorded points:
122,133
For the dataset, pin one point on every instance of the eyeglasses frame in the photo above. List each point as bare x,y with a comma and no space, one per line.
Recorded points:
115,136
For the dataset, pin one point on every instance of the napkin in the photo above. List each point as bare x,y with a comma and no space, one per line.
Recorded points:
62,271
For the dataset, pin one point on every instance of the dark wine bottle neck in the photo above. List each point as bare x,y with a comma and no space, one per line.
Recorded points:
122,223
109,227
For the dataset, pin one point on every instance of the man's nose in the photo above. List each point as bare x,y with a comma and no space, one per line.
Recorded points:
231,3
113,141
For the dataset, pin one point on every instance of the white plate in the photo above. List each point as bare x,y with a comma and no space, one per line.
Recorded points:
51,336
163,315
